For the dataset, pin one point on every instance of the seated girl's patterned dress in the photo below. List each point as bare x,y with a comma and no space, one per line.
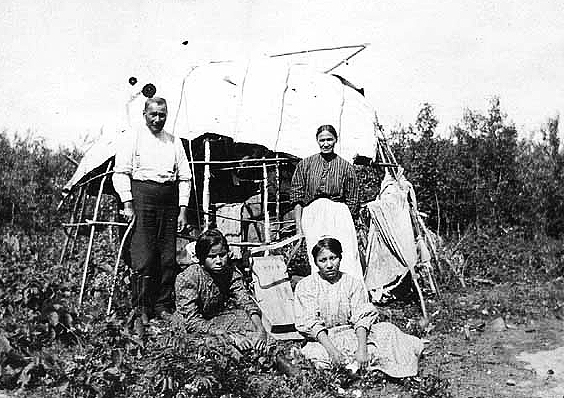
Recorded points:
211,297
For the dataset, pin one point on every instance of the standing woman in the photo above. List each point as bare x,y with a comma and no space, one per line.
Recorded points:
325,195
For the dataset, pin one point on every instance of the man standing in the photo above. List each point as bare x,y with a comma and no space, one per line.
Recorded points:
152,178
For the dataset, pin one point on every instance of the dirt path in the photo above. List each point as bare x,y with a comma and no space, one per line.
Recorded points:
551,364
518,361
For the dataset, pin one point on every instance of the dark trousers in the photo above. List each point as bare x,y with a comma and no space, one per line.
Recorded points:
153,246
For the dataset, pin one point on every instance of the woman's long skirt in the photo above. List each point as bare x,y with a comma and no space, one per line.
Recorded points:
389,349
325,218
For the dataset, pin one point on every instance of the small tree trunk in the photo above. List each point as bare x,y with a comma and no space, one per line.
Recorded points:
438,214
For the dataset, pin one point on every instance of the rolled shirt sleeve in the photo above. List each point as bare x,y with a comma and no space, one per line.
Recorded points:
363,313
184,174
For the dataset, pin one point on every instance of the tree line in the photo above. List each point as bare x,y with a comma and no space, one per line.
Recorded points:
484,174
31,179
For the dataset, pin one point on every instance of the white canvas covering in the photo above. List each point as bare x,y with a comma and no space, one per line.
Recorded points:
99,152
275,104
264,101
391,249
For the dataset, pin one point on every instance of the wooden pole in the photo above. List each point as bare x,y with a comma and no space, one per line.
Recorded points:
244,167
71,160
88,222
92,231
72,217
276,245
265,204
94,178
116,266
295,249
241,161
391,157
380,152
196,201
345,60
319,49
206,188
419,292
277,170
385,159
80,216
278,215
111,228
382,148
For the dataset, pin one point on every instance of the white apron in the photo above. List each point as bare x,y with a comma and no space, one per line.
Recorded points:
325,218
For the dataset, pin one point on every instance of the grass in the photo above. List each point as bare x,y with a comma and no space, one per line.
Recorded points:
52,349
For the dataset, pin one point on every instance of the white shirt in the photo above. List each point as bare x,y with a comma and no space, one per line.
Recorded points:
142,155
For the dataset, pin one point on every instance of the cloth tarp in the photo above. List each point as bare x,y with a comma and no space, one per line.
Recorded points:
228,221
391,249
275,104
274,295
326,218
97,154
264,101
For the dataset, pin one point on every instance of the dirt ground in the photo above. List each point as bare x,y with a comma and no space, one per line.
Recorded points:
516,350
520,361
496,341
487,340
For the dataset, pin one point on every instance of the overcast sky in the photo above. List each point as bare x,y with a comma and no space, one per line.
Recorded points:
64,65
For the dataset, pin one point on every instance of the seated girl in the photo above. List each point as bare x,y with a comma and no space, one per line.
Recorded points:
211,297
333,311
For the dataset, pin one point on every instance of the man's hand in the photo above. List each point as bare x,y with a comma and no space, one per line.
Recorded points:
182,219
128,211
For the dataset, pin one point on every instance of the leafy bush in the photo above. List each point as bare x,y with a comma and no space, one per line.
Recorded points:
49,349
31,179
507,255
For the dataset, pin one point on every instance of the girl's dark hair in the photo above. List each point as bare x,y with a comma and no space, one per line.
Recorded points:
331,244
206,241
327,127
